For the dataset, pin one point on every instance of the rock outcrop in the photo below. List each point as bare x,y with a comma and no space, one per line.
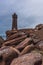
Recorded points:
19,46
28,59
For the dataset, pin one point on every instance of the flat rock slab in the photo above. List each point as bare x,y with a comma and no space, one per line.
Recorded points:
16,35
14,41
24,43
32,58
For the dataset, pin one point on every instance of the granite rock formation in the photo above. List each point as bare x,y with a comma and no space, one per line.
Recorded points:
22,46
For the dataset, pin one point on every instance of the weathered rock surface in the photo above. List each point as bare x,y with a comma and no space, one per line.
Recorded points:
1,41
2,63
16,35
28,59
27,49
8,53
42,60
26,45
15,41
10,32
38,27
40,45
35,41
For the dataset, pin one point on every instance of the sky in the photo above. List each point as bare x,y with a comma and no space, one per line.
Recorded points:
30,13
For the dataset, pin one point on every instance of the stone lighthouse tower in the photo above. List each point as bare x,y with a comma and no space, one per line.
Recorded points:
14,21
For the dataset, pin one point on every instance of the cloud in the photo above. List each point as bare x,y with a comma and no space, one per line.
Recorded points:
26,7
29,12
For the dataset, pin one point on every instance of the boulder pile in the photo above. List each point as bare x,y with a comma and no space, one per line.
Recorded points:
22,47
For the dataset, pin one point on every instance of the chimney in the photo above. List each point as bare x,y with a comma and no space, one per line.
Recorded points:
14,21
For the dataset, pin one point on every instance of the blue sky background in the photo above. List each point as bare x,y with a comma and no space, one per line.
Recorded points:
30,13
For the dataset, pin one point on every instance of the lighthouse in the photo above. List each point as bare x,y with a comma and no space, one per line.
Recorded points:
14,21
